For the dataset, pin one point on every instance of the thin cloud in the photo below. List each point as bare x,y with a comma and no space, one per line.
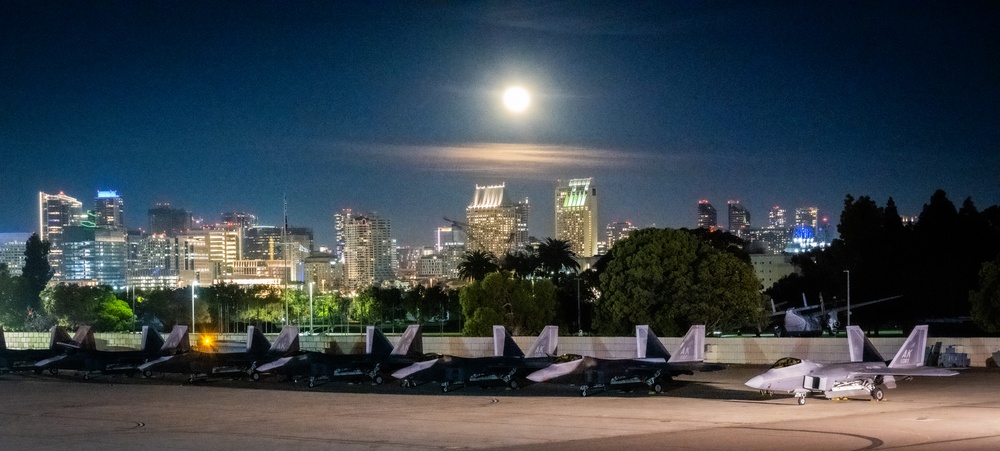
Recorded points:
522,159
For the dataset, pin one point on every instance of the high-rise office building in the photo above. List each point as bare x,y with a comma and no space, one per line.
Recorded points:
776,218
617,231
807,216
238,219
154,261
94,256
12,247
739,218
450,247
55,212
109,210
494,223
164,220
576,215
339,222
369,251
708,217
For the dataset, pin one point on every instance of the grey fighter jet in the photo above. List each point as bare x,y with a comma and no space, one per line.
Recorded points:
82,354
652,366
507,366
200,365
24,359
865,375
380,359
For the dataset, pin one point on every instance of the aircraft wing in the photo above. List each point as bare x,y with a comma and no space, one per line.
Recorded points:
918,371
275,365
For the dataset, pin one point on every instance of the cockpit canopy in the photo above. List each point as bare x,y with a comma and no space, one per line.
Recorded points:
786,361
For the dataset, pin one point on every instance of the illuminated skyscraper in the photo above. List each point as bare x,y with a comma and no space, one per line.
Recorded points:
739,218
617,231
776,218
708,218
807,216
168,221
12,246
109,210
368,250
494,223
576,215
56,211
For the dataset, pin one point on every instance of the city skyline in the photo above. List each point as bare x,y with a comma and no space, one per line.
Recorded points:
217,108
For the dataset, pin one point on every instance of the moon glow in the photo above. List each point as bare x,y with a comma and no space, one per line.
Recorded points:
516,99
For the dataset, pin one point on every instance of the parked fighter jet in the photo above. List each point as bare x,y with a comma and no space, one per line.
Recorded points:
864,375
812,320
507,366
83,356
200,365
379,360
24,359
652,366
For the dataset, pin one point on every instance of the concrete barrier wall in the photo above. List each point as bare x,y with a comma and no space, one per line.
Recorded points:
739,350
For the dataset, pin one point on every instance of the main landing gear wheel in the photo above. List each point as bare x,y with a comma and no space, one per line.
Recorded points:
878,395
378,379
657,388
53,371
147,374
801,400
513,384
255,376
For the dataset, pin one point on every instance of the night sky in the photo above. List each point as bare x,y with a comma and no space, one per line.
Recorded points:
396,108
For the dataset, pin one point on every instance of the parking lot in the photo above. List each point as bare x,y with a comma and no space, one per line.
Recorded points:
704,411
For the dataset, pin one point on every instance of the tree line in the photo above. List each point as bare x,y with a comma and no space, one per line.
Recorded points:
934,264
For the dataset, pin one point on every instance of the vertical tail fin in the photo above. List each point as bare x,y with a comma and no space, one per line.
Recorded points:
59,335
84,337
504,345
287,341
256,341
152,342
911,354
860,348
647,345
692,348
546,343
177,341
376,343
411,342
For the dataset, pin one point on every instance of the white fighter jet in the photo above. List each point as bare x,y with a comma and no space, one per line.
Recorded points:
865,375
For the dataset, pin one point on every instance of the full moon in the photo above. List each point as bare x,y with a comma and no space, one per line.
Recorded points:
516,99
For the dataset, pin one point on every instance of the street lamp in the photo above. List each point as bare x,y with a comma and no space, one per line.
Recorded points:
194,283
311,328
579,316
848,296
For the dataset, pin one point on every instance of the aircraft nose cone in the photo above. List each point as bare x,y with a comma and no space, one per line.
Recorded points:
755,382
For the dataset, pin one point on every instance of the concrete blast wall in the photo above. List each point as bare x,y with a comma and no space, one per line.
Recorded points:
740,350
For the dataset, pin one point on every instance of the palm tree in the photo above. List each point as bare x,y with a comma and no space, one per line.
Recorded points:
522,264
556,255
477,265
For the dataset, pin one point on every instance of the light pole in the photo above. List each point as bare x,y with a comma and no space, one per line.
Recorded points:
311,328
579,316
848,296
194,283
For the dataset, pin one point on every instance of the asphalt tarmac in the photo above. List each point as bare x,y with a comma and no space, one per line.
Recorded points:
712,411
